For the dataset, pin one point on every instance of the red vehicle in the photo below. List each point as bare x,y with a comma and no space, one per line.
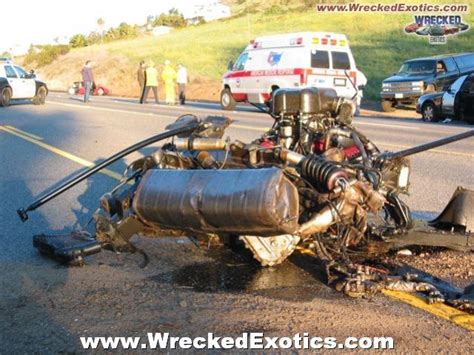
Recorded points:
78,89
412,27
450,30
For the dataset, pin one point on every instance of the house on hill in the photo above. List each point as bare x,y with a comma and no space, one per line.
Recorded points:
206,10
161,30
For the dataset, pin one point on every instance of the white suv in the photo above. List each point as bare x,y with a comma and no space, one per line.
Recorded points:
16,83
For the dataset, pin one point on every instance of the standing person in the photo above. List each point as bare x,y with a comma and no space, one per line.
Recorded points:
182,80
169,77
88,79
141,77
151,82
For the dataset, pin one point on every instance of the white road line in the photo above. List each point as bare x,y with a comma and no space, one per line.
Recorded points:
88,107
242,113
258,129
385,125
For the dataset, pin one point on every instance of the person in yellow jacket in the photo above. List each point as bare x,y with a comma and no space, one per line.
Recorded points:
169,77
151,82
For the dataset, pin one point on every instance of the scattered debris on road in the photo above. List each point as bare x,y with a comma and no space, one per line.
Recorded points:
312,180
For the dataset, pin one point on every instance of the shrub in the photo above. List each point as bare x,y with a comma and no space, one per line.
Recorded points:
78,40
44,55
93,38
173,19
126,31
274,10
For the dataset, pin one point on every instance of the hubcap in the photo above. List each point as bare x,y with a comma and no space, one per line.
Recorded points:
429,114
225,99
5,96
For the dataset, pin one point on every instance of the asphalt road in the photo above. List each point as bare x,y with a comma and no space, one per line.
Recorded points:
61,304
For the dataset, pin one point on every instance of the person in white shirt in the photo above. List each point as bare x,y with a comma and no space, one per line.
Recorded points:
182,80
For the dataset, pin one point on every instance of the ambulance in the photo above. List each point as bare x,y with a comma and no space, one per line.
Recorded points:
303,59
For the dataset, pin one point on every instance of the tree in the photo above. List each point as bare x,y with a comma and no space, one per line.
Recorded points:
78,40
94,37
173,19
100,24
126,31
112,34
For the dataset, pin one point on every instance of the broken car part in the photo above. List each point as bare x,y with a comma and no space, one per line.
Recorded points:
311,178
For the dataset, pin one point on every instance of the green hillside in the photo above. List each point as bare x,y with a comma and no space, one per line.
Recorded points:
377,40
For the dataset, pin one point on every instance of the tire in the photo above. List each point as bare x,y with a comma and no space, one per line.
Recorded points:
227,100
5,97
40,97
429,112
388,106
100,92
357,111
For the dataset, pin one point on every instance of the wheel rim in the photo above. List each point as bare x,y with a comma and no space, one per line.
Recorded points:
225,99
429,113
5,96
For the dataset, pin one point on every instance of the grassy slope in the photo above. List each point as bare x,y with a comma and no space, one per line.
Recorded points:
377,40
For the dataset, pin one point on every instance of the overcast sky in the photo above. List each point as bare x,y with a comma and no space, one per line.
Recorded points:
26,21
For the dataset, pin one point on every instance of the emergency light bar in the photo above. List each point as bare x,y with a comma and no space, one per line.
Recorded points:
296,41
326,41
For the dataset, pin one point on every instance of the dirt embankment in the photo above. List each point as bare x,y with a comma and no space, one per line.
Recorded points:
116,73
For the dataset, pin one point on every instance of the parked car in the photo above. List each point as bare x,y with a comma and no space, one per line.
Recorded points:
456,102
16,83
77,88
423,75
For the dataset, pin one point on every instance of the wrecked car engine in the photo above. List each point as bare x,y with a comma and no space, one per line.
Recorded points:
312,180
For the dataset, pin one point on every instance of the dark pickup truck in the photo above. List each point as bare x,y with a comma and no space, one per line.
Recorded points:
419,76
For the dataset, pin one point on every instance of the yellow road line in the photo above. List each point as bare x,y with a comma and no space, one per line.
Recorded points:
59,152
24,133
441,310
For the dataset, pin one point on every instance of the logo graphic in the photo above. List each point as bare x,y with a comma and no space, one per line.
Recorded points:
437,28
274,58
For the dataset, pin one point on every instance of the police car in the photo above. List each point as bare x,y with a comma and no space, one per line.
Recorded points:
16,83
316,59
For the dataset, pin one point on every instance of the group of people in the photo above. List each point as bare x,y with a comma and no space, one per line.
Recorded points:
147,77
